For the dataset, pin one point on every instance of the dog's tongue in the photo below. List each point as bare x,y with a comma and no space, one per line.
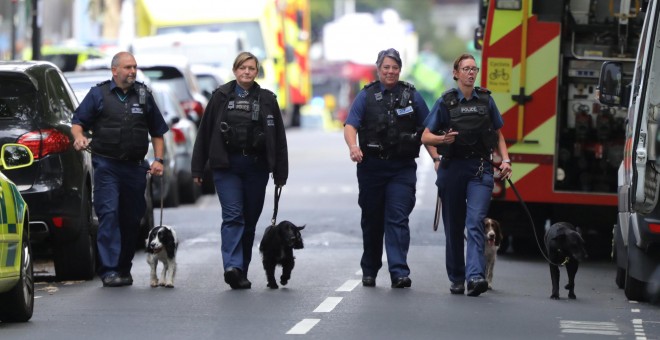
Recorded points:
491,242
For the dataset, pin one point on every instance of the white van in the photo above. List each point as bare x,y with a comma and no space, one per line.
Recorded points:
218,49
637,231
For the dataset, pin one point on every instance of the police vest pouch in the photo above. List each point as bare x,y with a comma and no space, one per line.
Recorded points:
141,144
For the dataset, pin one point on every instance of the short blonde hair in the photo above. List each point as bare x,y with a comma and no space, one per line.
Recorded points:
242,58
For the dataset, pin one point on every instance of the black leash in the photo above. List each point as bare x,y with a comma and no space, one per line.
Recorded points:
528,213
278,193
161,199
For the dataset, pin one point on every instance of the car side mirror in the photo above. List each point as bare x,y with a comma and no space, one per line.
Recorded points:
14,156
610,85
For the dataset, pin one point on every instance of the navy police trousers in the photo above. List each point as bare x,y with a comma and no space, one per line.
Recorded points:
465,187
387,197
119,204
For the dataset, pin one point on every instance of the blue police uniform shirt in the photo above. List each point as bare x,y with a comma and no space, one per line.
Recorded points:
359,107
92,106
438,119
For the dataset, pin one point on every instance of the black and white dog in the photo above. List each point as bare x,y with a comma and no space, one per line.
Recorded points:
565,246
161,246
276,247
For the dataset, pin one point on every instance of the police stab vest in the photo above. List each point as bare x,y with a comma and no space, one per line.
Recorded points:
389,125
242,126
476,137
121,131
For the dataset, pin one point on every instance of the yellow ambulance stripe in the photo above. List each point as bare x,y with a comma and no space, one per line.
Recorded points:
507,22
545,67
541,133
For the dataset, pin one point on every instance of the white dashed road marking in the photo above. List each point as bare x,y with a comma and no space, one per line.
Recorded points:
640,334
303,326
348,286
328,305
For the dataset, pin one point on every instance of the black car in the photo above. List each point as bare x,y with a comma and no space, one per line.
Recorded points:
36,108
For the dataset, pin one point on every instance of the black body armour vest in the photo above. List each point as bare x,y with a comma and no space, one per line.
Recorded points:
121,131
242,126
476,137
389,125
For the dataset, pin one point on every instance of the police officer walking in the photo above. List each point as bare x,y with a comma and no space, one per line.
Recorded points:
465,125
387,117
241,136
121,113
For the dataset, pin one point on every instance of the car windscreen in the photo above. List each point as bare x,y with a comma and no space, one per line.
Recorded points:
178,87
18,97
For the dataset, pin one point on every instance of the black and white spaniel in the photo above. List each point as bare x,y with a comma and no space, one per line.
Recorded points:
161,246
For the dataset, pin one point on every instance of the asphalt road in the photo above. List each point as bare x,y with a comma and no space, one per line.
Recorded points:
324,299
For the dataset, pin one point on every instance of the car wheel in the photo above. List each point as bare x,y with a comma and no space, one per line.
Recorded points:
189,192
172,198
620,279
76,260
17,304
147,222
208,185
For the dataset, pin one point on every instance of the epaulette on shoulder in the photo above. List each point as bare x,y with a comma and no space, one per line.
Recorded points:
103,83
371,84
450,97
407,84
482,89
269,91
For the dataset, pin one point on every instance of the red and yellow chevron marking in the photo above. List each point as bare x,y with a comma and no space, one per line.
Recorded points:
506,58
297,37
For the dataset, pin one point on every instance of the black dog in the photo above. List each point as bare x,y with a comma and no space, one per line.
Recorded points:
565,246
276,247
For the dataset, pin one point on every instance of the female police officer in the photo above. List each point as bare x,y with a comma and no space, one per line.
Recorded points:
241,135
465,125
387,116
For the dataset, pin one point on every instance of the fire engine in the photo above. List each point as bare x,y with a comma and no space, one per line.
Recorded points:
541,60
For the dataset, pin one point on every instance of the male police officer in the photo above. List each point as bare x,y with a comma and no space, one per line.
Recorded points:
389,116
465,125
121,113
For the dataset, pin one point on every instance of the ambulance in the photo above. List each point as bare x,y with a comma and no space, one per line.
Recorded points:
278,32
541,60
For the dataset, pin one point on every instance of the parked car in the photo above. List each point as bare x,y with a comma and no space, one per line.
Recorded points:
83,81
209,78
184,133
16,273
175,71
36,108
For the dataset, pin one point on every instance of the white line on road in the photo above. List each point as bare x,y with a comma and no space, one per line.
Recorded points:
348,286
589,327
638,325
328,305
303,326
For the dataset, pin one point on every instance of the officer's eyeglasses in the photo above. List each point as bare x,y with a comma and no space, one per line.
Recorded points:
470,69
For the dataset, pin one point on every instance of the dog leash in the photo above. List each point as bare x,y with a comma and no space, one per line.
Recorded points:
161,200
529,216
278,193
